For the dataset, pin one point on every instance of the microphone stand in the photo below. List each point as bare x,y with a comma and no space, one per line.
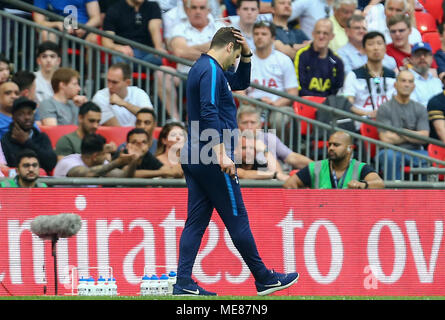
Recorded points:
54,254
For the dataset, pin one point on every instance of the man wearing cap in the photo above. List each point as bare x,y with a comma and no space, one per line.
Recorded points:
427,85
23,135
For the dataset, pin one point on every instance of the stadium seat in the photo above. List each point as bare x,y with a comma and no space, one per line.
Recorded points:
118,135
369,131
425,22
433,38
434,7
56,132
156,132
437,153
307,111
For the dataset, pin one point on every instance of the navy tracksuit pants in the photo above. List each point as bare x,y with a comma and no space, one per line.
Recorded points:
209,188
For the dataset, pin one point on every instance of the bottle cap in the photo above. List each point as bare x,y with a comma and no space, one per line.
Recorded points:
145,277
163,277
172,274
154,277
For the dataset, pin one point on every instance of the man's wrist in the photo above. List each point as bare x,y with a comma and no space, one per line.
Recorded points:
366,184
247,55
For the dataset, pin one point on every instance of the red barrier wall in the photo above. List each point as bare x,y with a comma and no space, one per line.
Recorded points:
343,242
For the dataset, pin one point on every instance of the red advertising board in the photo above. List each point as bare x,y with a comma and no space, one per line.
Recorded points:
343,242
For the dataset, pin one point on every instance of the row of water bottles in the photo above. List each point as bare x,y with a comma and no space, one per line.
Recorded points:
103,287
158,286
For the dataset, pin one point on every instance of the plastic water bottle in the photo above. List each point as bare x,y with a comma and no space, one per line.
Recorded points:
112,286
100,287
171,281
91,287
82,287
153,286
163,285
145,285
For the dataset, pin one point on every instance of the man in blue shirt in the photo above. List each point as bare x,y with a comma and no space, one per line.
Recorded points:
208,163
9,91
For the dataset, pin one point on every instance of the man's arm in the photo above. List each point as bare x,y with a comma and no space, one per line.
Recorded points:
100,170
439,125
372,179
180,48
293,182
154,27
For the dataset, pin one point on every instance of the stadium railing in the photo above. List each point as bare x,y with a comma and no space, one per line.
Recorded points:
93,60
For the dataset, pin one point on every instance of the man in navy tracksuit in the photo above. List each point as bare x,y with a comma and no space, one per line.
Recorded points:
207,161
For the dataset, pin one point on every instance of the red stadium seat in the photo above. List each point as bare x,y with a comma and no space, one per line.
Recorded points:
369,131
434,7
118,135
307,111
425,22
433,38
437,153
56,132
156,132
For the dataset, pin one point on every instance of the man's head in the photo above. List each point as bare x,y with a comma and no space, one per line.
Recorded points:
26,82
92,148
264,35
9,91
394,7
89,117
375,46
119,78
282,8
356,28
23,113
225,43
5,69
146,120
28,166
404,84
421,57
343,10
197,12
399,27
248,11
48,56
248,118
138,138
66,81
322,34
339,146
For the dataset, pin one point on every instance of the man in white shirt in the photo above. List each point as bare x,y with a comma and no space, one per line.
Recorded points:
48,59
379,15
120,102
369,86
426,85
309,12
247,12
273,69
188,40
353,54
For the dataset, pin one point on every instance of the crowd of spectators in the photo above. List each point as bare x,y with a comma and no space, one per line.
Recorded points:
369,52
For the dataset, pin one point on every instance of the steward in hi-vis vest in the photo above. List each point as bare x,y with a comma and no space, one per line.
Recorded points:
339,171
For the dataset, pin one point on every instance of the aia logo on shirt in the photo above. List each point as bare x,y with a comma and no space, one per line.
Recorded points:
271,83
377,102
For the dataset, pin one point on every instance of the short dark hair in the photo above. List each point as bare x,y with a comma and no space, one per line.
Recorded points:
4,59
147,110
48,45
240,2
399,18
26,153
354,18
87,107
137,131
371,35
92,143
266,24
224,36
126,70
23,79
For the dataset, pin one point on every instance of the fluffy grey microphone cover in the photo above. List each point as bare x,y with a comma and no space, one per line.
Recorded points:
63,225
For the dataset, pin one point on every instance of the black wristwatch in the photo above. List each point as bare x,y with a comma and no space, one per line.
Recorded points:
247,55
366,183
275,175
